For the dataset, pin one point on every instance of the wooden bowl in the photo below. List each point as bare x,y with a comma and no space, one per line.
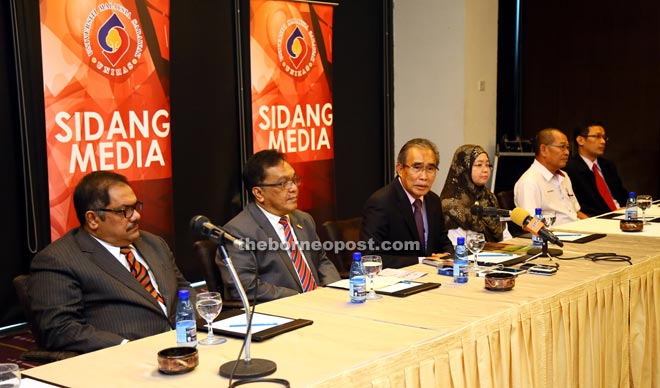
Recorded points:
631,225
499,281
177,360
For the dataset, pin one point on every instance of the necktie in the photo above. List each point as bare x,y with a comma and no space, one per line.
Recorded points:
602,188
305,275
419,221
141,273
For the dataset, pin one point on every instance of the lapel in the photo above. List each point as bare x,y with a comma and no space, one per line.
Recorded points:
403,204
304,233
99,256
265,225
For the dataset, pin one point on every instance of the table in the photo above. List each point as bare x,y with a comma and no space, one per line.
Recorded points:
592,324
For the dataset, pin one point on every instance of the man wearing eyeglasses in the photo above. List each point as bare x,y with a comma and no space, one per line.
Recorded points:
288,256
105,282
595,179
403,221
544,185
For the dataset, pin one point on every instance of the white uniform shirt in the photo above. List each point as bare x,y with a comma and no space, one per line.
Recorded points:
538,187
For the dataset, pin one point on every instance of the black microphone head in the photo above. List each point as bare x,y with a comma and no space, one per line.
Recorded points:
197,223
476,210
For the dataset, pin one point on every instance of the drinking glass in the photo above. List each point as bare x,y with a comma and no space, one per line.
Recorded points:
10,376
644,202
372,266
209,305
475,242
549,217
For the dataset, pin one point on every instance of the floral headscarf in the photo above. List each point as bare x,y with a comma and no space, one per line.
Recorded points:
460,193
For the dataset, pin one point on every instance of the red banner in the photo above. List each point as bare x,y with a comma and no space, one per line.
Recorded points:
290,56
107,102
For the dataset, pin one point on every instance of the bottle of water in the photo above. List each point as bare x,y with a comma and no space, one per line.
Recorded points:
460,261
631,206
536,240
186,329
358,280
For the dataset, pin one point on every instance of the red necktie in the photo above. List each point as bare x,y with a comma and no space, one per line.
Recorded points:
140,273
305,275
602,188
419,221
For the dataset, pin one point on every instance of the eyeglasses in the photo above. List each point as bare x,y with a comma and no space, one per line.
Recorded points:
482,165
287,184
563,147
417,168
126,211
599,136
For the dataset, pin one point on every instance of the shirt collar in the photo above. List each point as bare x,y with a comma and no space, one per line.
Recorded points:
411,199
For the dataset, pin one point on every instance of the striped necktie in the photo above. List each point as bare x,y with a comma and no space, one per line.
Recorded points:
603,190
305,275
141,273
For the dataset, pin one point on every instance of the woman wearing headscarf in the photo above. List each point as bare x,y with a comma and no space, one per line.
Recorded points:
465,187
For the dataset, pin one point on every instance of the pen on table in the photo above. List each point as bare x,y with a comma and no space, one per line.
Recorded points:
568,234
254,324
494,254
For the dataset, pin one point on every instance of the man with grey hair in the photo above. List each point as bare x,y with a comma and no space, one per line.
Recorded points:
403,221
544,185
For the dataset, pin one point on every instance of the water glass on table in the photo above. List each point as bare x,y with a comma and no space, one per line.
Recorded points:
209,305
475,242
644,202
372,266
10,375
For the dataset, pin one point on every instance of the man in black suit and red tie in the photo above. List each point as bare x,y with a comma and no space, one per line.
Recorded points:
596,182
403,221
105,282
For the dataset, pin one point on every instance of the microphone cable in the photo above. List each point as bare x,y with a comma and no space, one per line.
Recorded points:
608,256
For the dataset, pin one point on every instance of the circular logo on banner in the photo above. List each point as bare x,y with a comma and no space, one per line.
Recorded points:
296,47
113,41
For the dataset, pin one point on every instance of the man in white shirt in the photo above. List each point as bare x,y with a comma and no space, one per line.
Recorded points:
544,185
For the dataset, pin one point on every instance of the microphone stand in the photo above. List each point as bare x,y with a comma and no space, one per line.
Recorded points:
249,367
543,252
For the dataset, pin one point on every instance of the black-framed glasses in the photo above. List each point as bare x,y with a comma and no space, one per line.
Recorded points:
563,147
126,211
418,168
287,184
599,136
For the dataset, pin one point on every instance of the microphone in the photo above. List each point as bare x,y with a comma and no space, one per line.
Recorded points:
202,225
521,217
489,211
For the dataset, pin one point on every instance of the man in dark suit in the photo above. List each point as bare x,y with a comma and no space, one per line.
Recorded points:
289,258
595,197
403,221
83,294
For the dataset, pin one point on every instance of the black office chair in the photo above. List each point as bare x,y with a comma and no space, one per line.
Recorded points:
204,252
343,230
40,354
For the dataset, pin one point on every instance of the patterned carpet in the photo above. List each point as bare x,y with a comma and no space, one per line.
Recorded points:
12,345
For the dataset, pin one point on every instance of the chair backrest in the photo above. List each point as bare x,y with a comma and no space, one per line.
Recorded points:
204,252
21,284
506,201
345,231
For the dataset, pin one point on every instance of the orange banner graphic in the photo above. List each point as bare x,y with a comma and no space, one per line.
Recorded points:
107,102
291,57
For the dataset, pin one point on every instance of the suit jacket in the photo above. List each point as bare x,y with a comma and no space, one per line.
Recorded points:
584,185
83,299
388,217
272,273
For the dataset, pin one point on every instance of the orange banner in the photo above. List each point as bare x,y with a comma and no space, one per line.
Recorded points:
107,102
291,57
